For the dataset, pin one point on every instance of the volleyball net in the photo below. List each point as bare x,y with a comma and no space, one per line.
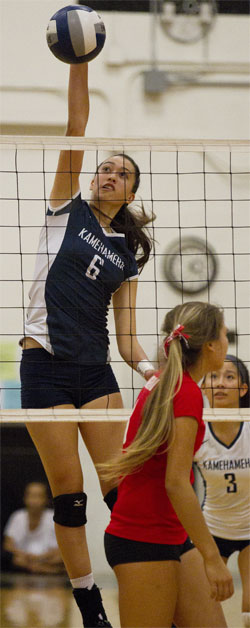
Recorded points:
199,192
118,416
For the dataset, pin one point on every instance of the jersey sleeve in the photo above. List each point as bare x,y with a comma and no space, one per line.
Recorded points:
131,268
188,401
66,207
199,454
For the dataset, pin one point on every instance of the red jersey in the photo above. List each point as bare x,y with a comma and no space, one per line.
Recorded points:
143,511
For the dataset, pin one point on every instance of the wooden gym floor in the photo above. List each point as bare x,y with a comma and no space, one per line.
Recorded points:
43,602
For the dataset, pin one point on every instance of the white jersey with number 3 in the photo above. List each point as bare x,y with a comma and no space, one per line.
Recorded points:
226,475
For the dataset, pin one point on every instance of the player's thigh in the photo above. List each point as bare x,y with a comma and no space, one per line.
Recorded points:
194,607
244,567
147,593
57,445
103,438
107,402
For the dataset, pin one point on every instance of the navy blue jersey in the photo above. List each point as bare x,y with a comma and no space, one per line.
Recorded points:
78,268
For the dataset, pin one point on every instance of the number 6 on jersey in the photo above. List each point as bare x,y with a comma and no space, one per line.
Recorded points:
93,267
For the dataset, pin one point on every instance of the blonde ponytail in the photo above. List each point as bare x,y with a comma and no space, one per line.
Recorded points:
202,322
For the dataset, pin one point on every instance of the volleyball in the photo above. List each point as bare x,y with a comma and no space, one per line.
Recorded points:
75,34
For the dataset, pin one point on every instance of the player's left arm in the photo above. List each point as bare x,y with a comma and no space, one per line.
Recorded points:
124,304
187,507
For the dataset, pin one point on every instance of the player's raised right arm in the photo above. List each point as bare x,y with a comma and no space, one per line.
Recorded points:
66,182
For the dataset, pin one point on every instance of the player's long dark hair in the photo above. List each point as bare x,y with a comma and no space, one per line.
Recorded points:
203,323
244,402
132,222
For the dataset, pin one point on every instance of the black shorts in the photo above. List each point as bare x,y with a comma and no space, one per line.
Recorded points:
47,381
119,550
227,547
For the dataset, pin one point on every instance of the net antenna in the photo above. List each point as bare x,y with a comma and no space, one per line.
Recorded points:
188,21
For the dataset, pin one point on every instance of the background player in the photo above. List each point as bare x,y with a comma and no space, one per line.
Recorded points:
157,509
91,251
29,539
224,463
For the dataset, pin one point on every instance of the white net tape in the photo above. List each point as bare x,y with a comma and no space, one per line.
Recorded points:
79,416
50,142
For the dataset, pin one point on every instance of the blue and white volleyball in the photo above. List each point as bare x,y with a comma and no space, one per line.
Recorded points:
76,34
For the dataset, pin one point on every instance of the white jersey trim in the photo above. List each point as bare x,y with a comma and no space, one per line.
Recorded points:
113,234
133,277
54,210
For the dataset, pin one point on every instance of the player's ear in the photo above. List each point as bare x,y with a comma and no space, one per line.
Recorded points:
91,184
209,347
243,390
131,198
209,353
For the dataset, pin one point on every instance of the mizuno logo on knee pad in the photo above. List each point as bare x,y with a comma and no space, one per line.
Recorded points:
70,509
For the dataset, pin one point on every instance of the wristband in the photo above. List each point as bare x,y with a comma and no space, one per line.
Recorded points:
143,366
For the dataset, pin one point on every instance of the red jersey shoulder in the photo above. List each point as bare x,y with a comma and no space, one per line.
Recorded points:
188,401
136,416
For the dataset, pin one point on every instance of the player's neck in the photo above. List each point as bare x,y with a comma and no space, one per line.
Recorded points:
34,519
196,372
226,431
104,214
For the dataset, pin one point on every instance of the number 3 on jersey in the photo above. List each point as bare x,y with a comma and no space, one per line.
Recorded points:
232,486
93,270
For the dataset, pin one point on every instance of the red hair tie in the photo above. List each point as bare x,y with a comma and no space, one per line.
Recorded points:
176,333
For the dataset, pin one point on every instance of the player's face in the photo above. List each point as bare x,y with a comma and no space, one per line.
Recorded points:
35,497
114,181
224,387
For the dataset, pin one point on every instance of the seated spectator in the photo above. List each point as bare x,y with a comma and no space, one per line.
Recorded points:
29,537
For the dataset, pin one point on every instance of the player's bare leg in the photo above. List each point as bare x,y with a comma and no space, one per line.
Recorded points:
195,608
244,568
147,593
103,439
57,445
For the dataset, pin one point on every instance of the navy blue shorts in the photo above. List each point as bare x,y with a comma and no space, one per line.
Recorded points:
227,547
47,381
120,551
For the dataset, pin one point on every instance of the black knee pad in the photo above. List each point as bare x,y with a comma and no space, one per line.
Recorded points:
70,509
111,497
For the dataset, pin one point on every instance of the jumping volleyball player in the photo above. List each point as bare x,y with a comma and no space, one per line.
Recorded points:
162,576
86,254
223,460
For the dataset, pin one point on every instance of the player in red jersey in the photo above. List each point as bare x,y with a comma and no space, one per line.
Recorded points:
162,576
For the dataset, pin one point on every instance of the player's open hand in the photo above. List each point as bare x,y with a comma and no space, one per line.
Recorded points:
220,579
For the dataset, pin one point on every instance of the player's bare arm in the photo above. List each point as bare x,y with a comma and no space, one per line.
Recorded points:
124,303
66,183
187,506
